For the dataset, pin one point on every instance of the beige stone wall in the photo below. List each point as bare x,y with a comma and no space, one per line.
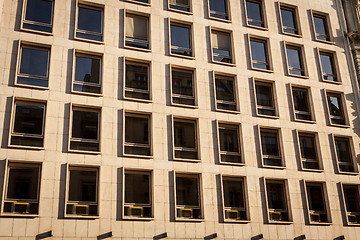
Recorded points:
58,98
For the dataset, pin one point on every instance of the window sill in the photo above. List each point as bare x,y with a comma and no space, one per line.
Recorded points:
189,220
220,20
137,100
35,31
262,70
291,34
227,111
19,215
339,125
222,63
84,152
87,93
137,156
179,11
353,224
137,218
186,160
137,49
321,224
181,56
281,222
332,82
88,40
184,105
232,164
312,170
26,147
80,217
30,86
237,221
298,76
349,173
256,27
326,42
267,116
137,2
273,167
305,121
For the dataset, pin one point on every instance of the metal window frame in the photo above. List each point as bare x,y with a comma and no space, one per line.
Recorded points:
194,84
343,105
268,55
232,77
263,12
275,108
317,147
352,153
24,20
311,112
302,56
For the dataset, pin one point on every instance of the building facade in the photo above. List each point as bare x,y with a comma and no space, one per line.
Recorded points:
177,119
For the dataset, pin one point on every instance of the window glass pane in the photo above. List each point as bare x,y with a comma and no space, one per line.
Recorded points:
254,13
259,54
136,76
218,9
294,60
335,105
307,146
137,188
351,194
182,5
136,130
224,89
29,119
343,150
184,134
180,39
82,186
90,19
34,62
85,124
143,1
315,197
187,191
289,20
87,69
229,139
269,143
321,28
182,83
301,100
233,194
327,66
276,195
39,11
264,95
23,183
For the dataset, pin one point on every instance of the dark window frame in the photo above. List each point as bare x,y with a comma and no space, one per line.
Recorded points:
181,8
235,103
141,63
280,155
143,45
191,71
328,36
91,6
263,24
240,153
191,50
310,106
332,117
35,23
297,25
229,59
351,154
334,65
317,150
352,217
212,14
267,47
259,107
302,60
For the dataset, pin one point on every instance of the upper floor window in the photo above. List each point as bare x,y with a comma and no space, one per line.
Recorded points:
185,139
188,196
88,73
344,154
144,2
255,16
328,65
138,194
38,15
321,26
85,129
183,87
302,103
221,47
82,198
90,22
33,65
289,19
260,54
317,203
336,108
229,143
219,9
277,201
28,123
271,147
295,60
137,31
137,134
265,98
22,189
137,80
309,151
181,39
234,197
180,5
352,203
226,93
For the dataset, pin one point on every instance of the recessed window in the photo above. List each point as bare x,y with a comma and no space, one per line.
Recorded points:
336,108
183,89
137,80
188,196
181,39
88,73
38,15
221,46
317,203
289,20
344,154
265,99
225,93
301,101
260,54
137,31
219,9
229,141
138,194
235,204
145,2
309,153
33,66
277,201
328,66
270,147
28,124
321,26
180,5
90,22
295,60
85,129
82,192
22,189
255,13
352,203
137,134
185,139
